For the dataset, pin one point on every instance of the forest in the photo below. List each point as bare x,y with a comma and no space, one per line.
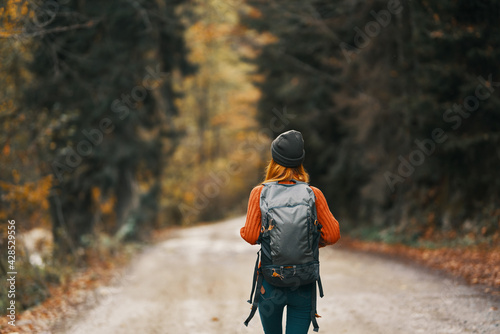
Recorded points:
120,118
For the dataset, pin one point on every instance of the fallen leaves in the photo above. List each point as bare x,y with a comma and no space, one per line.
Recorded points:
66,298
478,265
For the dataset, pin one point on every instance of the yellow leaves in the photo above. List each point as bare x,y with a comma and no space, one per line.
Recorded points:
188,197
208,39
6,106
45,186
16,176
218,160
206,32
16,8
12,14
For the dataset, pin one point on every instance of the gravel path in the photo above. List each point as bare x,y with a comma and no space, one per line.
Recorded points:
199,280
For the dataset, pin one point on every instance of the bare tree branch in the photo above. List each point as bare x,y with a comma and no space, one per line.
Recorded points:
42,32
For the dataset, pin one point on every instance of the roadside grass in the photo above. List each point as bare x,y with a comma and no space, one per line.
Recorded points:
432,240
45,294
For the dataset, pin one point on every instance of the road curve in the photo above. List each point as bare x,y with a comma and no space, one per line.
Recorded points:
198,281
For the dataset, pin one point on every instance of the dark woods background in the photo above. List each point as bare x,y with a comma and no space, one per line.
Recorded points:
368,79
121,117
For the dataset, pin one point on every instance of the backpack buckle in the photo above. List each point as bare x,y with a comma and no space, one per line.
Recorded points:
275,274
269,227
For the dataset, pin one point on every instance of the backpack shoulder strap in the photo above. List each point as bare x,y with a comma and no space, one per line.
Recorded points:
255,273
257,284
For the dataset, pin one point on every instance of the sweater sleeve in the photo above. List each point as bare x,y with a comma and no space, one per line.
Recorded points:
250,232
330,233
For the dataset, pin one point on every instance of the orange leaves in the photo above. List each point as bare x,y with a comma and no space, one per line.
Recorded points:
66,299
105,205
477,265
437,34
11,15
28,197
16,175
254,13
6,150
29,192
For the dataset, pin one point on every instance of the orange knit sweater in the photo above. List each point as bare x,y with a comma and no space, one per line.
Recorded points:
330,232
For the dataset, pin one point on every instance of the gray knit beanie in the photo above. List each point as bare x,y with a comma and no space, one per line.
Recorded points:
288,149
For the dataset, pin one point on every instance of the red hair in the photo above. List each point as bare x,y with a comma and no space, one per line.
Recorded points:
276,172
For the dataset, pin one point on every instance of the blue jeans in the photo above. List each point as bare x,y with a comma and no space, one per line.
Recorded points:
298,302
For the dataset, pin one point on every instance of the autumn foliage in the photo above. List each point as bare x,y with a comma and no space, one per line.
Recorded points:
193,92
477,265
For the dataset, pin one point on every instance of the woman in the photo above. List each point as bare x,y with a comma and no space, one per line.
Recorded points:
285,166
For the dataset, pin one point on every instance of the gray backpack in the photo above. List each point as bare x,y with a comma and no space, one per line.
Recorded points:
289,239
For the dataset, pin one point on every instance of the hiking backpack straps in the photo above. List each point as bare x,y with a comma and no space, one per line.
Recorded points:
289,240
256,285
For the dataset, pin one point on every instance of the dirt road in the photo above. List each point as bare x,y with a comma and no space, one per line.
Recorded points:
199,281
